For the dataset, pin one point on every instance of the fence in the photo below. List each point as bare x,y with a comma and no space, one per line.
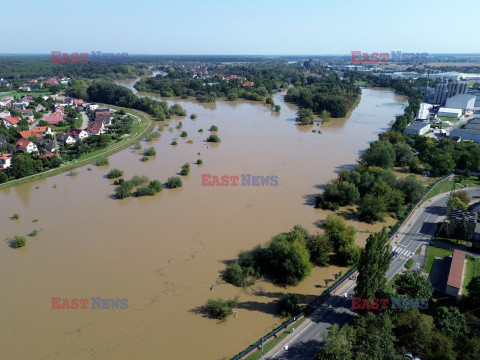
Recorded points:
326,295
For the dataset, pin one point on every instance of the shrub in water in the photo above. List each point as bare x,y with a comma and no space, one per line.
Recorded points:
114,173
213,128
213,138
150,152
102,161
18,241
174,182
185,169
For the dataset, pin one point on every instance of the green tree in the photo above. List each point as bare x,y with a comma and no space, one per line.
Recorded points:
455,203
372,208
451,322
288,305
414,331
414,285
221,309
338,232
325,116
338,344
374,338
305,116
319,248
412,188
380,153
373,265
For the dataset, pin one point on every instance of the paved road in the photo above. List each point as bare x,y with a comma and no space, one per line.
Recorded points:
305,341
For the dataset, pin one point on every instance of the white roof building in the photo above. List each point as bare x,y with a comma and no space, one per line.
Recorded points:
448,112
417,128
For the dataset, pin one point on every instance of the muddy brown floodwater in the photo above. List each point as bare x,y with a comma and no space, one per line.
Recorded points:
164,253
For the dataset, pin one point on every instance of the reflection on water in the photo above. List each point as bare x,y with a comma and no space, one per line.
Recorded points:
165,253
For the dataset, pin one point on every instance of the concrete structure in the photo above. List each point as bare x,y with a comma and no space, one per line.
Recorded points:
461,101
447,112
458,217
417,128
445,90
455,274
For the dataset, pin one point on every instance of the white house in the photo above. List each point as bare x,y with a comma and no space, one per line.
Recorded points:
78,134
92,107
26,146
417,128
5,160
65,139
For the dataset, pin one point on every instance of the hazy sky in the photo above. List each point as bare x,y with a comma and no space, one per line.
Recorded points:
270,27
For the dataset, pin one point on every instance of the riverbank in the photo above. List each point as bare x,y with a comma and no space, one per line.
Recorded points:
139,131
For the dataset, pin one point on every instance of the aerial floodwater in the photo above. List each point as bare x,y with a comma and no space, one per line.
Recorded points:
163,254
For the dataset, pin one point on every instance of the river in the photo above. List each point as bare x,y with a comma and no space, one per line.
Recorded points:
165,253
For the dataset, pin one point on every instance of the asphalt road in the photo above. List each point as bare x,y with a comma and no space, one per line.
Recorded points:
305,341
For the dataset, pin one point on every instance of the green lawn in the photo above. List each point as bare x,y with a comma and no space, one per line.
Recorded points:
360,82
19,94
470,273
432,253
445,118
442,187
471,181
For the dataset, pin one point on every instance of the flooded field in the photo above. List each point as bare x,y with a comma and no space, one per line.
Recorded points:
164,253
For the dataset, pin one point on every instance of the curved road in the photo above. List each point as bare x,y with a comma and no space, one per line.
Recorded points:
305,341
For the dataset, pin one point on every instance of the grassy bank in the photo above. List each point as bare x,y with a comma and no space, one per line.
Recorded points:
19,94
139,131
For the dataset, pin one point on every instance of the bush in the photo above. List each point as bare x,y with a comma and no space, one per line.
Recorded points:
102,161
174,182
193,116
221,309
174,142
185,169
137,146
34,232
150,152
18,241
200,130
137,180
184,134
180,124
3,177
288,305
238,275
213,138
213,128
16,216
156,185
199,162
124,190
114,173
144,191
144,158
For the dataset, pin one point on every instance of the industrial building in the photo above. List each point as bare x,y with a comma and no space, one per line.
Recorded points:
424,111
447,112
417,128
471,131
461,101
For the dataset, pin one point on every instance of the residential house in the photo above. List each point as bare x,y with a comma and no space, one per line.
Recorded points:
5,160
47,155
11,121
38,132
39,108
4,114
78,134
68,101
104,116
26,146
78,103
94,129
20,105
65,139
46,144
27,114
92,107
54,119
